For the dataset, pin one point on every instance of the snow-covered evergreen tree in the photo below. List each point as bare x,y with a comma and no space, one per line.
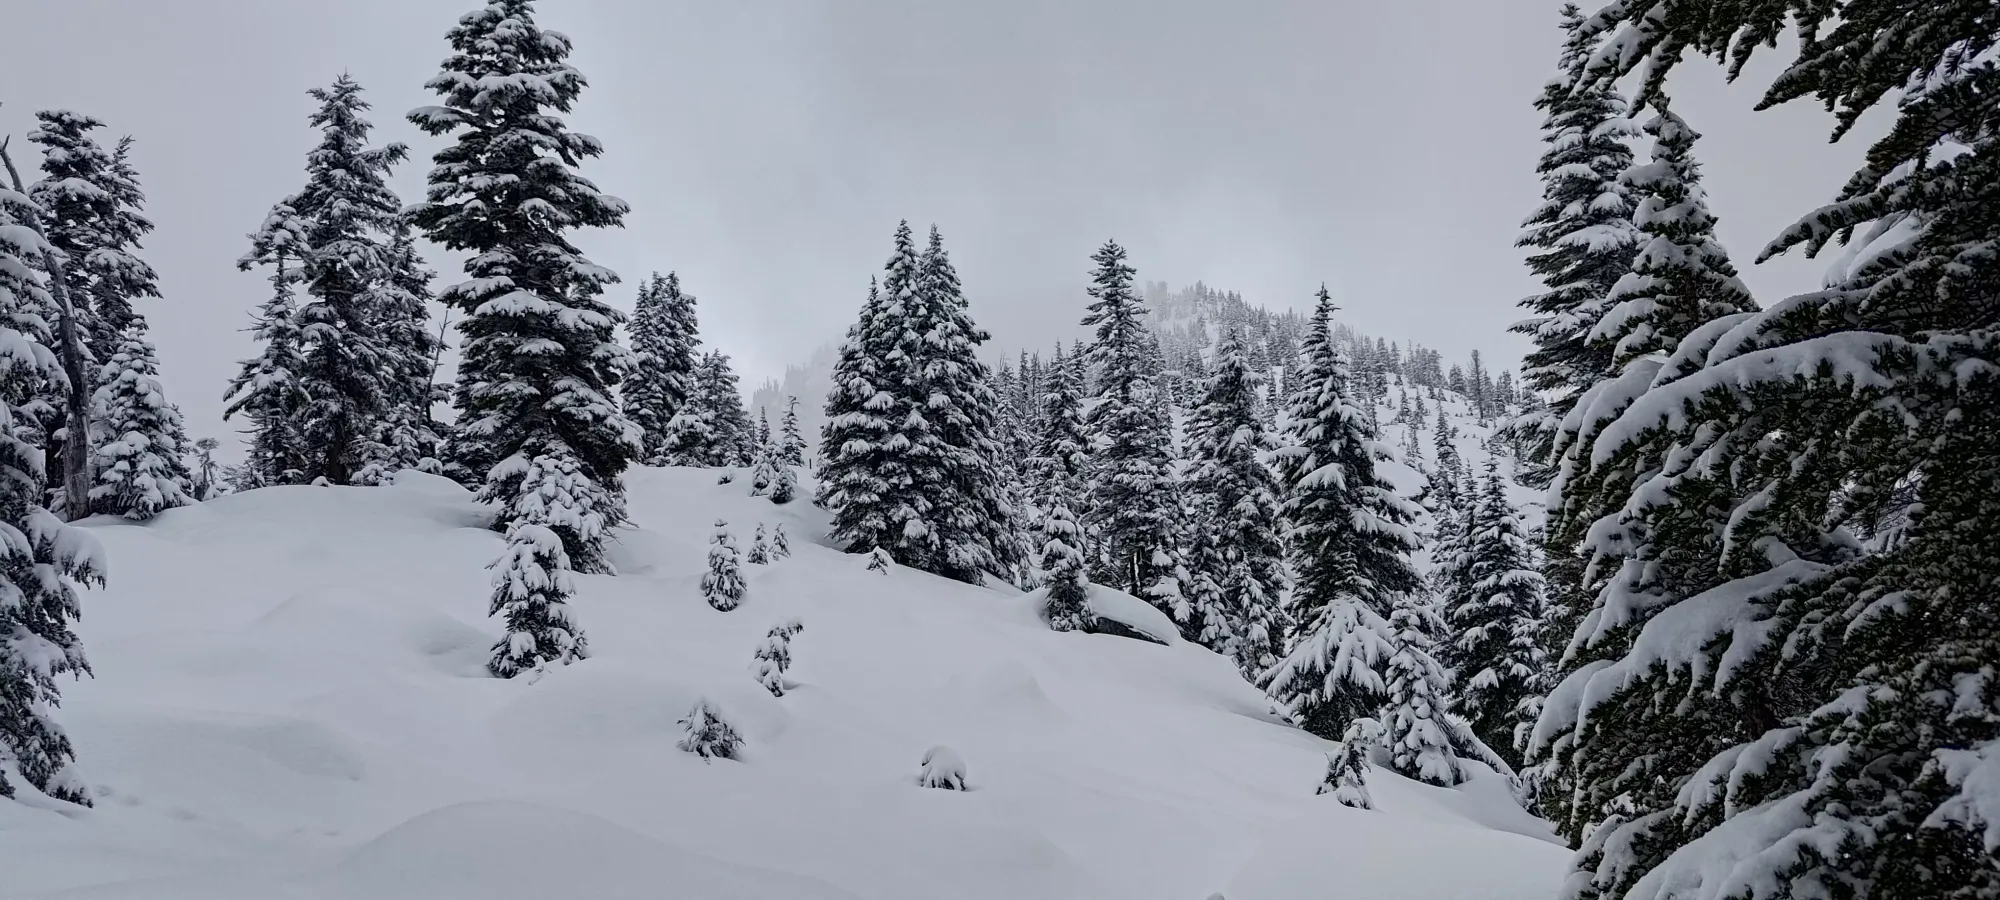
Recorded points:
764,470
705,734
406,435
1347,766
663,362
774,656
266,387
722,585
942,768
879,560
760,548
348,375
784,484
539,358
1350,546
1681,278
1785,685
781,546
1424,739
1227,446
136,442
1061,460
1063,572
791,445
1132,486
1580,239
139,445
45,560
531,591
1492,600
952,389
712,429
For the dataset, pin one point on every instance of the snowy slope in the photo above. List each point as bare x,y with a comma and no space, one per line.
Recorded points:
290,705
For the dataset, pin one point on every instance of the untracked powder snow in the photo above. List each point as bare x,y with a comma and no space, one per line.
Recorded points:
290,702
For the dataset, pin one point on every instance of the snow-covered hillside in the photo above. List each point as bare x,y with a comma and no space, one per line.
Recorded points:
290,702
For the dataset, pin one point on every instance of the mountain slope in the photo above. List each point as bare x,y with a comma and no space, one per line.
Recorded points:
289,703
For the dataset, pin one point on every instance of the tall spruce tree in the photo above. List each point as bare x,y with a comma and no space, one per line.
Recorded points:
1350,546
45,561
539,358
869,477
663,362
954,391
1227,446
1492,600
1790,666
1061,460
1132,492
349,374
1581,238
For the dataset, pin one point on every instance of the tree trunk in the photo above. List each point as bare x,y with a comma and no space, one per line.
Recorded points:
76,439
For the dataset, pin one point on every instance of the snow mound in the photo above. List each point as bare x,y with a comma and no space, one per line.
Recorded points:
288,703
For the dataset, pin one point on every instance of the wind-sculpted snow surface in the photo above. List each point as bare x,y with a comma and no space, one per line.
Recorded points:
291,701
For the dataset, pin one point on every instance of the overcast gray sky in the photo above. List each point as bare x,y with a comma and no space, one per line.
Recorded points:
769,146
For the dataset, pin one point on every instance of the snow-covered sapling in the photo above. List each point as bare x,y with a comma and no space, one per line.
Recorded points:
764,472
1347,765
879,561
722,586
780,548
942,768
784,485
760,550
774,656
705,734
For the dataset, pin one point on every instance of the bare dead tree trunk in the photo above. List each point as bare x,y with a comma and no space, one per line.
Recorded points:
76,438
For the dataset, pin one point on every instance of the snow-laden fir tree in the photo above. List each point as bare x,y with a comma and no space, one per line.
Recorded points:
1492,602
1350,546
879,560
135,439
1347,766
951,387
1063,571
45,560
406,435
348,374
1580,238
1680,278
558,505
712,429
781,546
1061,460
531,591
266,388
762,439
1132,509
663,361
1424,739
760,548
538,359
774,656
868,476
705,734
1785,686
139,462
1227,445
722,585
791,444
763,470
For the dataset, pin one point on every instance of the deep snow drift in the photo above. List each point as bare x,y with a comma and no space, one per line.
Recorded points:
290,703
